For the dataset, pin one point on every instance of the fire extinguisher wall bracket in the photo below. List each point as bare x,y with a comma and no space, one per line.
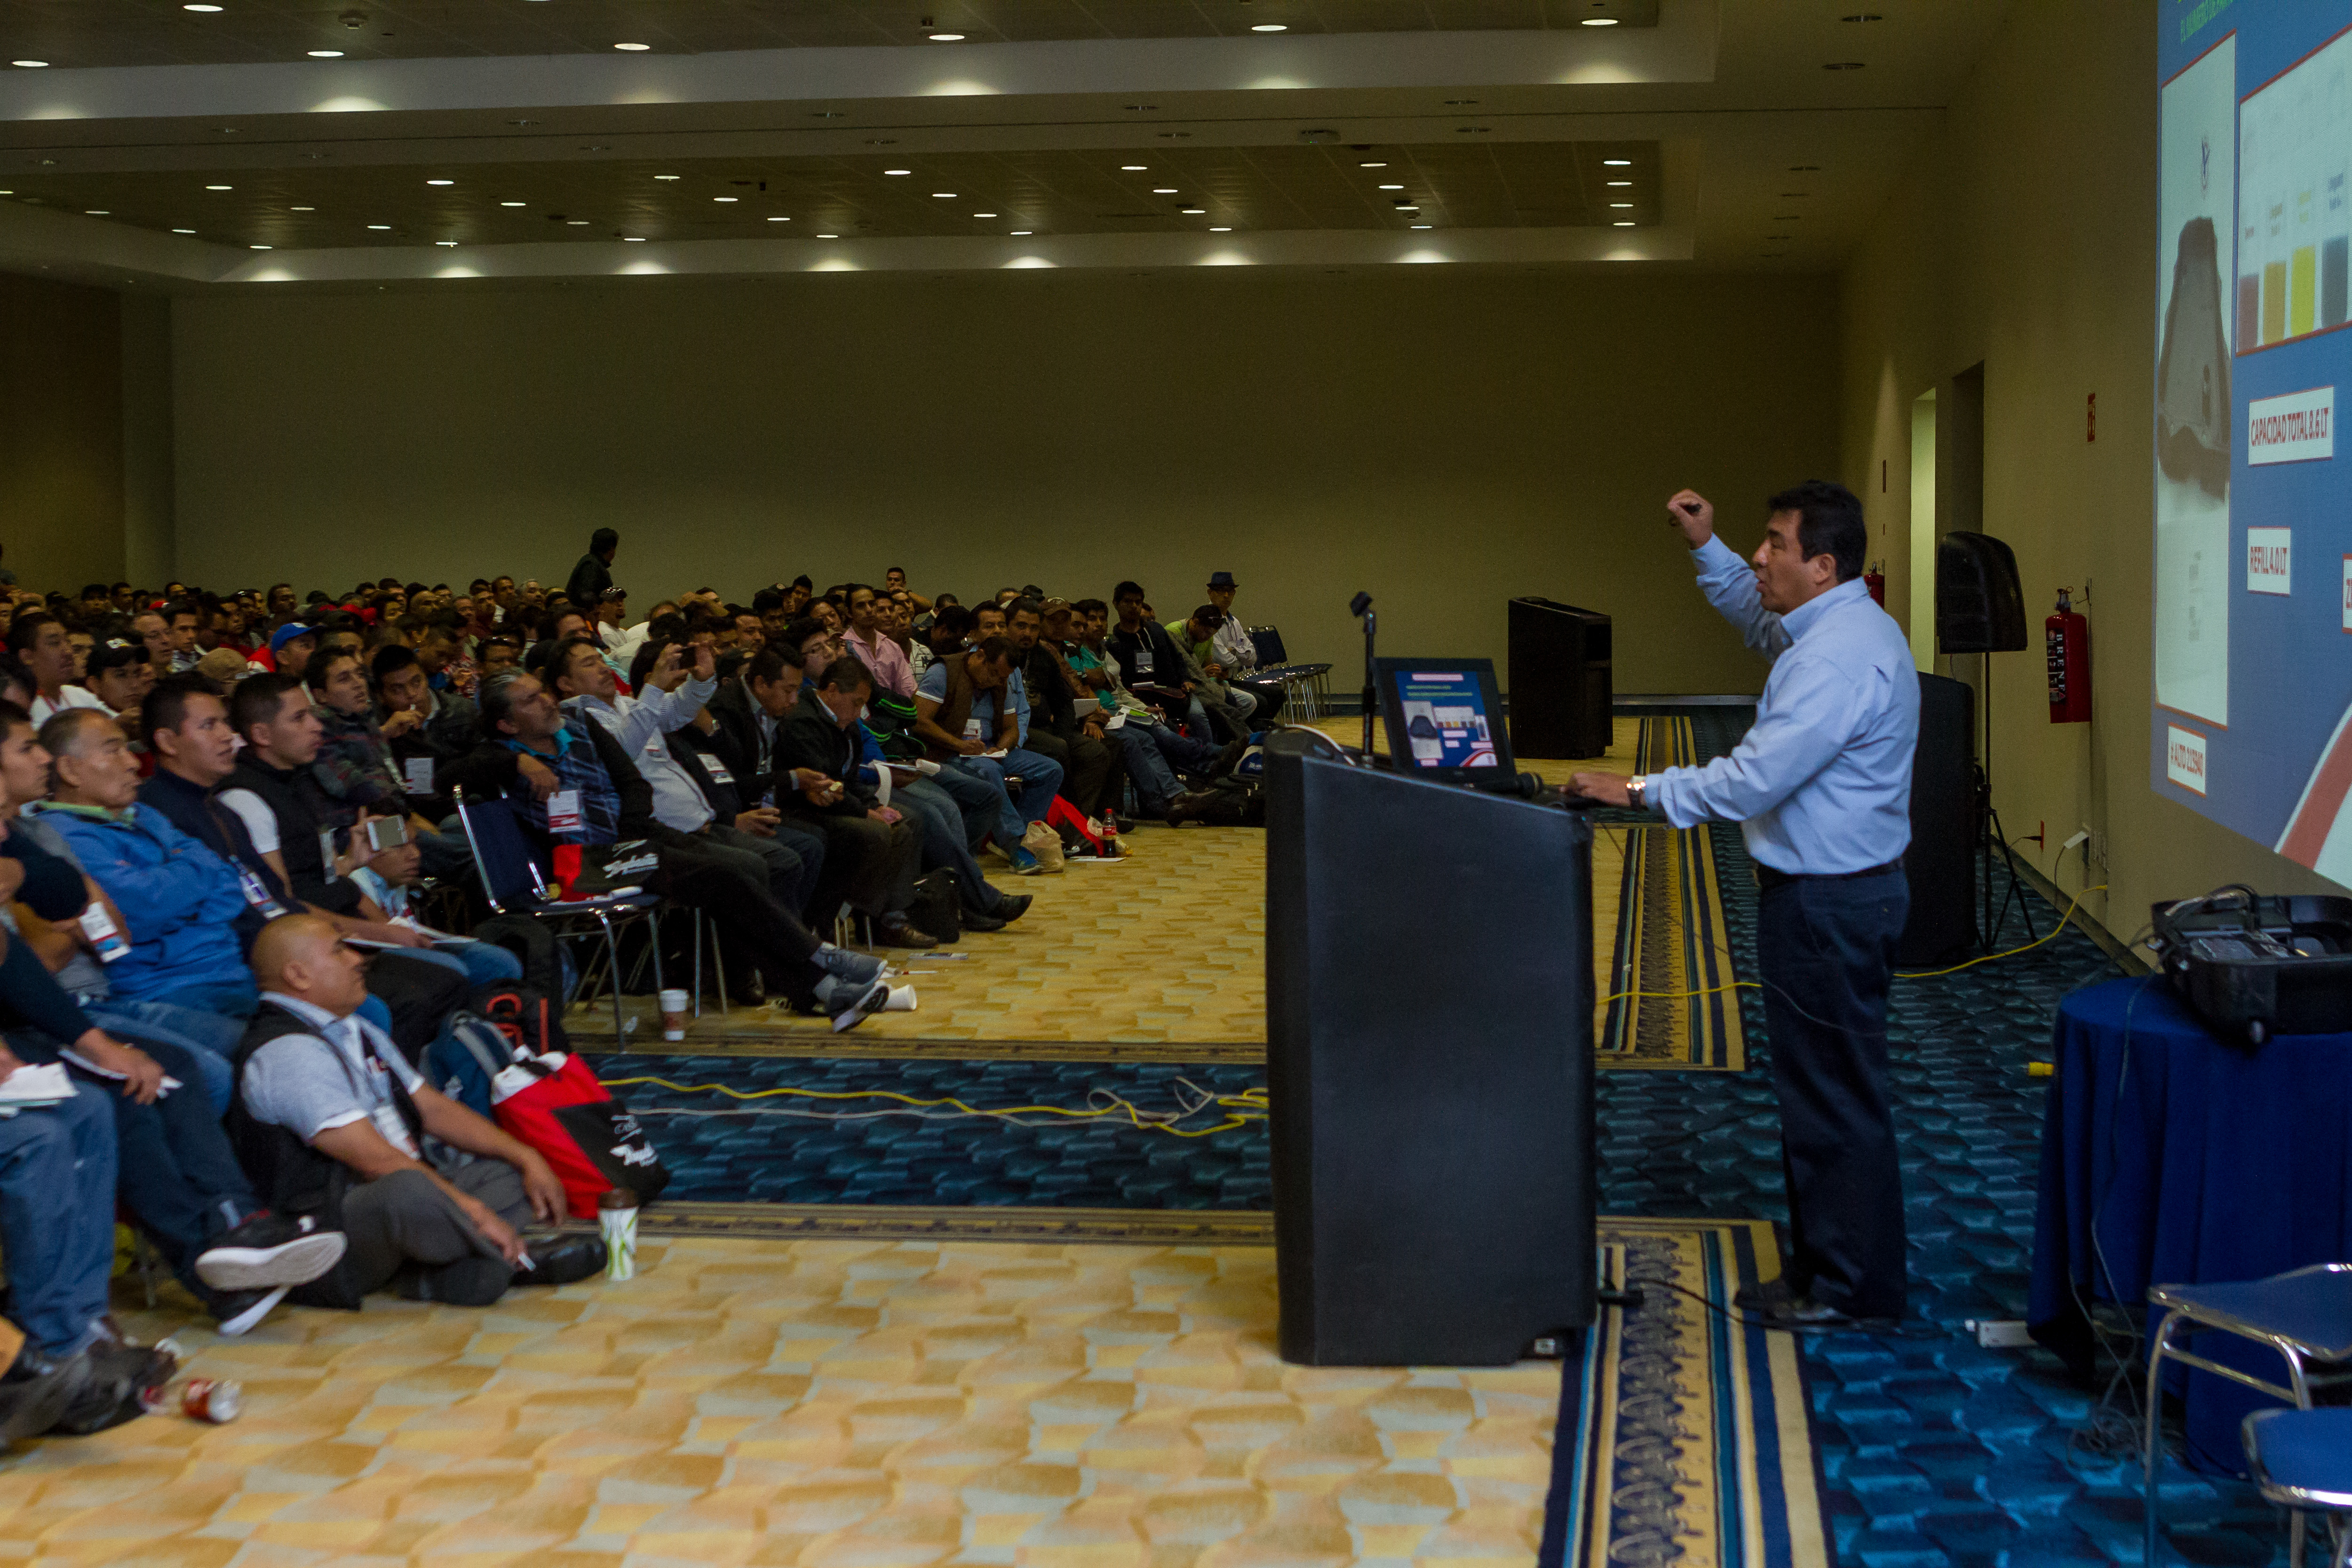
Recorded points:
2066,641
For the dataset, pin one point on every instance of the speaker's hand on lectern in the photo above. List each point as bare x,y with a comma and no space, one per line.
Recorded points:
1694,515
1609,789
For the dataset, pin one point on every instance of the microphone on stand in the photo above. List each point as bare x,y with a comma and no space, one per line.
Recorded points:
1362,606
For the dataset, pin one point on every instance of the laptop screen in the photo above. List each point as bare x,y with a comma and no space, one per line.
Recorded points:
1444,717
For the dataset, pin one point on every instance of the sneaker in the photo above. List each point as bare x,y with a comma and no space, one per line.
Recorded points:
472,1281
38,1391
268,1250
1024,863
560,1259
235,1311
842,962
849,1001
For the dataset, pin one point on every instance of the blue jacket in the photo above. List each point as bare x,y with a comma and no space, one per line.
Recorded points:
180,901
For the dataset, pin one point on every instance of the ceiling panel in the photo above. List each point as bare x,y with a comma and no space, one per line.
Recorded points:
104,33
1545,185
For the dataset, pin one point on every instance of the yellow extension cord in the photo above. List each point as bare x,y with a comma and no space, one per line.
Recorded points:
1241,1109
1250,1105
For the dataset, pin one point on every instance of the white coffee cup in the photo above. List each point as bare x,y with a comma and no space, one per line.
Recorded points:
674,1005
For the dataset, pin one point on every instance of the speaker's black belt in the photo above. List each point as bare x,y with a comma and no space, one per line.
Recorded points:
1765,877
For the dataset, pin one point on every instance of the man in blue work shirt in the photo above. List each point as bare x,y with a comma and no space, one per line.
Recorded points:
1822,789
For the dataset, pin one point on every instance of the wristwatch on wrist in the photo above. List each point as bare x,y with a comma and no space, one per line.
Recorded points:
1637,793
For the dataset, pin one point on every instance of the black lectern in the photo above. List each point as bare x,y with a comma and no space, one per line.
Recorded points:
1429,1001
1560,681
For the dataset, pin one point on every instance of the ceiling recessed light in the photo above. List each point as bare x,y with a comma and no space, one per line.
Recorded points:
1164,190
947,38
220,187
1599,21
199,7
666,176
724,199
1623,223
1613,183
440,181
779,220
1391,187
1404,207
1133,168
575,223
301,209
1372,166
634,48
1193,212
944,196
513,204
1270,28
633,239
828,236
897,171
1618,162
1220,228
380,225
984,215
449,242
1420,226
184,231
94,212
31,65
1621,204
325,54
257,248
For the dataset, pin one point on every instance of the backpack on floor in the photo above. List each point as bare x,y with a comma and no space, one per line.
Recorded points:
533,944
555,1104
937,908
530,1018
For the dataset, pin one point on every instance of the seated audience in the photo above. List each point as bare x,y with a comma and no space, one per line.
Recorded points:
331,1119
572,783
118,674
1052,689
39,640
868,637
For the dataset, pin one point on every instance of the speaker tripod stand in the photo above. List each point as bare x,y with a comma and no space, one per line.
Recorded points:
1992,841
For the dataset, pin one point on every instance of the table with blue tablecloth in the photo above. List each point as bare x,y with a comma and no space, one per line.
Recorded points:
2170,1156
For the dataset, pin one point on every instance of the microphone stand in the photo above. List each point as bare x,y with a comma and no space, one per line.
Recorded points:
1361,605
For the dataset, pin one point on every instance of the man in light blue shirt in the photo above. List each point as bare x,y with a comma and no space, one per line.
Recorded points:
1822,789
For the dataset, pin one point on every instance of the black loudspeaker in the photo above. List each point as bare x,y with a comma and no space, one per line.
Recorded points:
1560,681
1941,864
1429,986
1979,604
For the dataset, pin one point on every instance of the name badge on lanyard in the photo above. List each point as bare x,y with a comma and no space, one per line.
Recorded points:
327,854
256,894
419,773
971,730
716,770
564,812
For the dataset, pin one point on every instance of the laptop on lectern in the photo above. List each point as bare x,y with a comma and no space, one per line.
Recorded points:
1443,721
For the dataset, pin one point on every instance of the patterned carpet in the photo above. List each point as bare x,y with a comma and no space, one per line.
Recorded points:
819,1376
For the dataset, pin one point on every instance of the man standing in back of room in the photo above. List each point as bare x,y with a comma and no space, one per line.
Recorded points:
593,574
1822,789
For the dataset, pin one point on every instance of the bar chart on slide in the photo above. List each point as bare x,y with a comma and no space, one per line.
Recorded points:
2294,227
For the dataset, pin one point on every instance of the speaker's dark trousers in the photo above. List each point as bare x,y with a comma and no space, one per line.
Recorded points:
1825,953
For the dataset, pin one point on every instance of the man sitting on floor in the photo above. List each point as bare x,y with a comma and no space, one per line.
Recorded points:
332,1121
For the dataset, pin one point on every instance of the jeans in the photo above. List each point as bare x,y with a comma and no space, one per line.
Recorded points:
940,821
1153,753
481,962
976,797
209,1038
175,1171
1041,780
57,1219
1825,953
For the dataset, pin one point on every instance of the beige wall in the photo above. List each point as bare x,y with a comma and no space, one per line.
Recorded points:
61,433
2025,238
1442,439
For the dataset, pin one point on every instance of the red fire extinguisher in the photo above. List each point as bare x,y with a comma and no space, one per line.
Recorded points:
1873,577
2067,640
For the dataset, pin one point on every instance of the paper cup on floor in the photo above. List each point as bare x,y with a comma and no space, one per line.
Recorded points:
674,1005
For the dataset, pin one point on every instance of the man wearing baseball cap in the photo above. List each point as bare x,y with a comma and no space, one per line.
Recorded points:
1234,654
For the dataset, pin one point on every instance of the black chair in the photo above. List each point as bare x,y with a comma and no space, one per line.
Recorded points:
1305,688
514,885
